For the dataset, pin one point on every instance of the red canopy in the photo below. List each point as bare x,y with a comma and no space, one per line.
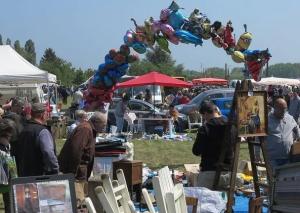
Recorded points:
154,78
210,81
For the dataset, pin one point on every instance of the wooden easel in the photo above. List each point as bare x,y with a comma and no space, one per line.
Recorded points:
232,141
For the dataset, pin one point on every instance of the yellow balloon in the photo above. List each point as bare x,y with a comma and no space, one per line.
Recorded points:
244,41
238,57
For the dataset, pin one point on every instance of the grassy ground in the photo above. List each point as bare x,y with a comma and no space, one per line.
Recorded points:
157,153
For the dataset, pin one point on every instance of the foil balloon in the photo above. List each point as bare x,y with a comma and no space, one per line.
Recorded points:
244,41
163,43
176,19
238,57
187,37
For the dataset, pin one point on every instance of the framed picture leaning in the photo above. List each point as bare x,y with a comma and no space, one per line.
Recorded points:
252,114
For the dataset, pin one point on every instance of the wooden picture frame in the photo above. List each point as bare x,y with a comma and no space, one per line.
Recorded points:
252,113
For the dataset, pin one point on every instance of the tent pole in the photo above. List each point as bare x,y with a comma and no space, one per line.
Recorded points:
153,90
48,92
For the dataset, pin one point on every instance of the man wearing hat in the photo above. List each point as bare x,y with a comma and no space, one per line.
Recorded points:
35,154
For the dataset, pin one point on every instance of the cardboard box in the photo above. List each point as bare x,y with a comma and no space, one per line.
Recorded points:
192,173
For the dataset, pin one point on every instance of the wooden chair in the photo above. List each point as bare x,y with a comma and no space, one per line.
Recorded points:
256,204
114,195
194,119
175,200
148,201
163,184
89,204
192,201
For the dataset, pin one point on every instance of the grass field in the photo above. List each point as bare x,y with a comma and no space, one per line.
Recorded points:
157,153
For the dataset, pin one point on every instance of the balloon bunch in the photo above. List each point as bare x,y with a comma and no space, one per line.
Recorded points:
173,27
100,86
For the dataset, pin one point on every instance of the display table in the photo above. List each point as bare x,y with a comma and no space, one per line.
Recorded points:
170,122
133,174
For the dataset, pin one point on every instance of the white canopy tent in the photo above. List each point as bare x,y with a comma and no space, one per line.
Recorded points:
14,69
276,81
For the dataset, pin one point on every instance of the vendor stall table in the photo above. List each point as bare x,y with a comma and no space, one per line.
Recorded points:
170,122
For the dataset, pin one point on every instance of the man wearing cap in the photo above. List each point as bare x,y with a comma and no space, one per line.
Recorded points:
35,151
77,154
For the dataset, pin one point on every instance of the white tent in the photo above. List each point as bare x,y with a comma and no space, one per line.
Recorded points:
14,69
277,81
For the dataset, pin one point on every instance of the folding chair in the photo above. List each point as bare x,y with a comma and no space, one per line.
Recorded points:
175,200
163,184
194,119
89,204
114,195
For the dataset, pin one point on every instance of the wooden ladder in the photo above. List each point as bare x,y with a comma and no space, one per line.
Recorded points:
232,141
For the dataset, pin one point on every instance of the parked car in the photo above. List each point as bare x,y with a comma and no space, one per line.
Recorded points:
143,109
196,102
224,104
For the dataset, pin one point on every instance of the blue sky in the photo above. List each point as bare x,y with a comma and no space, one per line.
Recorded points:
82,31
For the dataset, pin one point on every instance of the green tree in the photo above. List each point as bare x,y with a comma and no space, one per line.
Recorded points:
1,42
88,73
62,69
215,72
158,56
79,77
237,73
49,56
30,53
18,47
8,41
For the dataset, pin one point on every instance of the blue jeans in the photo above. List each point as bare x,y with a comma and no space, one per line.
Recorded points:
119,123
278,162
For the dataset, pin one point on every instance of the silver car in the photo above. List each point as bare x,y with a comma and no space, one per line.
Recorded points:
196,102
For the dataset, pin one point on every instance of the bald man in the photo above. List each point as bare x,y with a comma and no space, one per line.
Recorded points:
283,131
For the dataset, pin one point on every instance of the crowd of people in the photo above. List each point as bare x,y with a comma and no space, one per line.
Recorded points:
25,136
27,139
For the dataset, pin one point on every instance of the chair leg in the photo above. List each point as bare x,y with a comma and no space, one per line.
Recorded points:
148,201
104,200
89,204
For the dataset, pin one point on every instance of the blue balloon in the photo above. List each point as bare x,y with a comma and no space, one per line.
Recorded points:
251,52
187,37
139,47
176,19
108,59
101,67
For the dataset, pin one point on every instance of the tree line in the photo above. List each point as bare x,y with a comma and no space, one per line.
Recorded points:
155,59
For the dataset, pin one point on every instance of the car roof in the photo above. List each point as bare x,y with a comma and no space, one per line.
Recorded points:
210,92
222,99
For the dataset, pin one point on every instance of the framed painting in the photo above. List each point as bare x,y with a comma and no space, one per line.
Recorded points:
252,114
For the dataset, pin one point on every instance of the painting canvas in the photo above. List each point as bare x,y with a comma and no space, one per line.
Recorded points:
252,114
